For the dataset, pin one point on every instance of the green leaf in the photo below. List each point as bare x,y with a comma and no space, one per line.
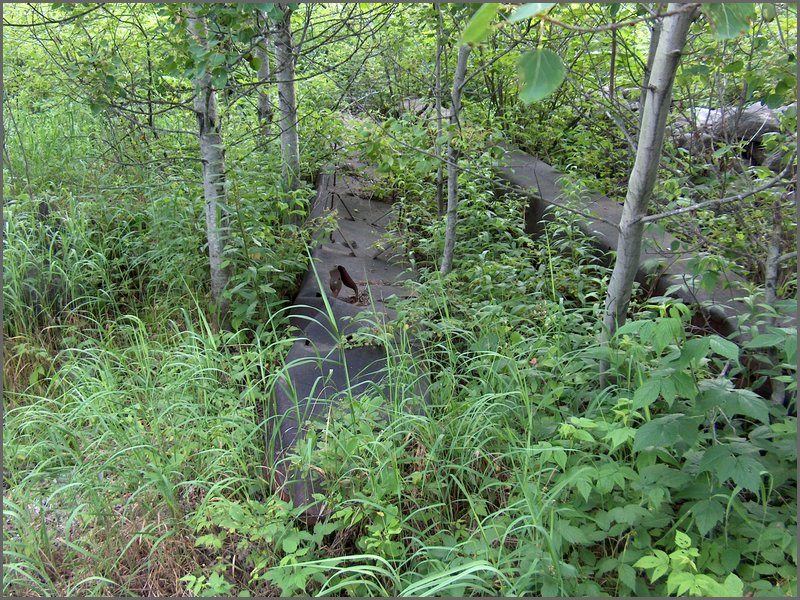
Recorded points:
219,79
659,563
665,432
680,582
620,436
651,562
254,62
584,488
542,72
530,10
733,67
685,386
210,540
707,513
766,340
729,20
666,332
646,394
730,558
627,576
732,585
682,540
478,27
694,350
290,543
747,403
744,471
571,534
723,347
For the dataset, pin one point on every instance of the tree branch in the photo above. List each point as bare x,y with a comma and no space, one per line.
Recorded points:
679,211
613,26
50,22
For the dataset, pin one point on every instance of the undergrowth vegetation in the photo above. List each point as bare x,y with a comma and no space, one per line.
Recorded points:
135,460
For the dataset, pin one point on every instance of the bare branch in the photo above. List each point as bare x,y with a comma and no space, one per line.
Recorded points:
50,22
679,211
612,26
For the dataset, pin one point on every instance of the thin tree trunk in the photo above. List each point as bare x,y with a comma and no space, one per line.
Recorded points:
452,161
287,99
655,34
771,273
645,167
438,94
264,104
212,156
613,68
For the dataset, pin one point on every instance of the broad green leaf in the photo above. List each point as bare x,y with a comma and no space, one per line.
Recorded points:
542,72
571,534
665,432
659,563
219,79
707,513
744,471
627,576
646,394
478,27
620,436
668,390
693,351
723,347
733,586
747,403
682,540
530,10
630,327
766,340
209,540
667,331
254,62
729,20
215,60
730,558
733,67
685,386
679,582
650,562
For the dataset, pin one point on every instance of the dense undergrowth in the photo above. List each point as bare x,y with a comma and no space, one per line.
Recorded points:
133,432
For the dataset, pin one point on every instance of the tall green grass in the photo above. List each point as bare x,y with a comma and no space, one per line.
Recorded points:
138,429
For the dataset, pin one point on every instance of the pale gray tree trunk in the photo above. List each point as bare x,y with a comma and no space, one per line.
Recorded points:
655,33
287,99
658,96
438,94
452,161
212,156
264,101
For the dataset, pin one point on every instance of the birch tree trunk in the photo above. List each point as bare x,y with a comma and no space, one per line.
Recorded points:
438,94
655,34
452,161
264,102
212,157
287,99
658,96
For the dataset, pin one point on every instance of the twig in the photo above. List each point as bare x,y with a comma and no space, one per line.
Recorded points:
613,26
738,197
